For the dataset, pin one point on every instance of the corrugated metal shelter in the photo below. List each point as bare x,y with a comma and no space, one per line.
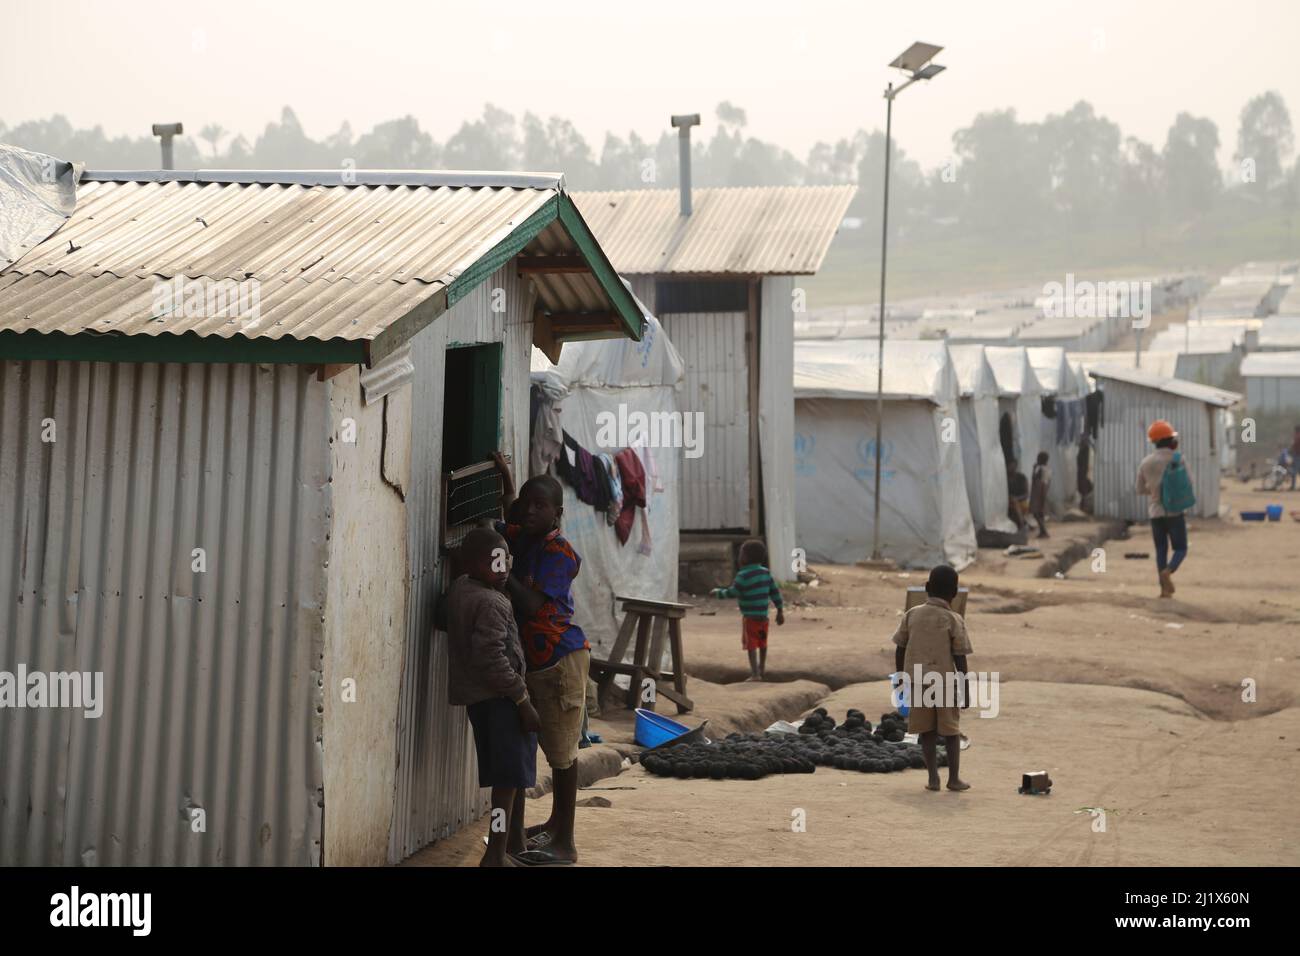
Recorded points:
1272,381
925,516
239,517
1133,400
983,462
1074,334
722,281
1207,354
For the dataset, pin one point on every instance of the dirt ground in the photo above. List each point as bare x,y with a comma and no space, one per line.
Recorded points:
1134,705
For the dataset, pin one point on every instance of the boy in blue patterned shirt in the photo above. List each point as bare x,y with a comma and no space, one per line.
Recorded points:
754,587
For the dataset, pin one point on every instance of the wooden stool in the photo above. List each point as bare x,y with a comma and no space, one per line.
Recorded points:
648,620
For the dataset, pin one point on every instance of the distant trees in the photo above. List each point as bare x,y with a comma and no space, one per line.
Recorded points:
1191,171
1265,140
1074,171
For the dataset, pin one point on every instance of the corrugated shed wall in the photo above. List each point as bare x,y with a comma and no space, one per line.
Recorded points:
714,486
776,419
643,287
1268,393
437,786
211,680
1122,444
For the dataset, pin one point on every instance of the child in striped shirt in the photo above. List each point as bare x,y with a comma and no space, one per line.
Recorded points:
754,587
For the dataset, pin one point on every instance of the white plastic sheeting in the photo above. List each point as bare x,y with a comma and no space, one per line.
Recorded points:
601,381
981,452
1057,377
37,195
1020,396
924,510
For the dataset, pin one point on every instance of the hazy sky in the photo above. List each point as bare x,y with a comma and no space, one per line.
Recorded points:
803,71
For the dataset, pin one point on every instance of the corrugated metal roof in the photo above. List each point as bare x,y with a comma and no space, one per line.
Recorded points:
1173,386
331,260
761,230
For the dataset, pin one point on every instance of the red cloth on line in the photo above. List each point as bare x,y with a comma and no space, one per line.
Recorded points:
633,477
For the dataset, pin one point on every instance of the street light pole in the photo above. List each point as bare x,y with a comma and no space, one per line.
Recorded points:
880,351
915,61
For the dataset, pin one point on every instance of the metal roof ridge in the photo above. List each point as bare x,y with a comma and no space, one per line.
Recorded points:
719,189
452,178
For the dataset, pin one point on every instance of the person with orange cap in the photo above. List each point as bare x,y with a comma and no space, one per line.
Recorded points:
1168,530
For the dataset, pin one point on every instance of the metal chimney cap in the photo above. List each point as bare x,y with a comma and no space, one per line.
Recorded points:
686,119
168,129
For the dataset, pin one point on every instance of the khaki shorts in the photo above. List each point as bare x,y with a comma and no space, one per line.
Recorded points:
946,720
559,693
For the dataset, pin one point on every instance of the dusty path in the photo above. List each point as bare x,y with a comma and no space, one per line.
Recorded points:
1129,714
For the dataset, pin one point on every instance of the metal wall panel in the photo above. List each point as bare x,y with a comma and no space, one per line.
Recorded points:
1122,444
776,419
212,679
437,785
714,486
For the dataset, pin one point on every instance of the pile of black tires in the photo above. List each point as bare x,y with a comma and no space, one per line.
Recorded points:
851,745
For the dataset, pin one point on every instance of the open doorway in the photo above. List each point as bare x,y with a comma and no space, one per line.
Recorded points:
471,405
471,432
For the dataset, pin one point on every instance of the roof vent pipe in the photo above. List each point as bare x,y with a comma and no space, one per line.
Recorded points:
165,131
684,123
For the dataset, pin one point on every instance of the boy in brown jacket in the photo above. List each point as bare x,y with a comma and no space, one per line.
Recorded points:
486,676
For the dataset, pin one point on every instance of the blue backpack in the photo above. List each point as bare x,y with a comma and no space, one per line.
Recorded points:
1176,495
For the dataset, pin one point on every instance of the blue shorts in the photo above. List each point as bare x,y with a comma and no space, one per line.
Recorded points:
507,757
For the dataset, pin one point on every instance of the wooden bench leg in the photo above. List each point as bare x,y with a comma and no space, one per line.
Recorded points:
619,651
684,705
653,666
638,662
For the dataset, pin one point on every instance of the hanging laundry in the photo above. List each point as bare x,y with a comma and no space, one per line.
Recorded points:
1096,405
651,467
605,462
577,467
633,479
546,437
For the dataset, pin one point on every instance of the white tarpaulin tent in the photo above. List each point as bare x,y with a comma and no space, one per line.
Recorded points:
925,514
981,452
1020,398
599,385
1056,376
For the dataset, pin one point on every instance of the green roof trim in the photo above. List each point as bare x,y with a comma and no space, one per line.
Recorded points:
186,348
624,304
503,251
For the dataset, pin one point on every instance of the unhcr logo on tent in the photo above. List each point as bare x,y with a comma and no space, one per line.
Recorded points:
204,298
630,429
1128,299
867,455
803,450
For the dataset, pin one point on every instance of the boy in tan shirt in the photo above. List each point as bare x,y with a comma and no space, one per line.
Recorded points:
931,656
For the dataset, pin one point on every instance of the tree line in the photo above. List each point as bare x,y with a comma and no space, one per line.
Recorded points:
1075,170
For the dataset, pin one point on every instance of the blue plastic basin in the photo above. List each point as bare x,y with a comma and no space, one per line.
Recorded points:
1274,512
654,729
1254,515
